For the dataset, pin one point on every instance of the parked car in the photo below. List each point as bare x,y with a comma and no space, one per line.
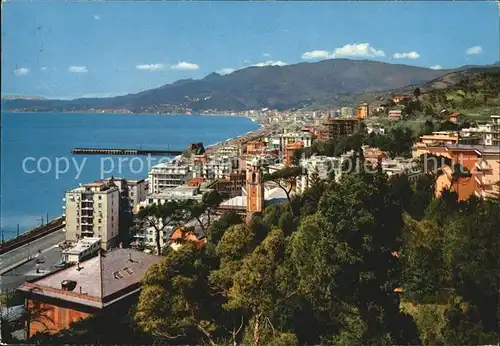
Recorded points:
61,265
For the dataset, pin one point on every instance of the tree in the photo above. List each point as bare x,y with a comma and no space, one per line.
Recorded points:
202,211
417,93
254,289
217,229
159,217
286,179
175,302
344,261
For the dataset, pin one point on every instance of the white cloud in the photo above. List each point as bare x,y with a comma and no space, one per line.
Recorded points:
78,69
21,71
349,50
96,17
474,50
316,54
409,55
436,67
43,69
270,63
149,67
183,65
357,49
267,55
226,70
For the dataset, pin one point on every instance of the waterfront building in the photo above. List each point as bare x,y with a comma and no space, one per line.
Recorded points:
169,175
107,283
255,147
92,210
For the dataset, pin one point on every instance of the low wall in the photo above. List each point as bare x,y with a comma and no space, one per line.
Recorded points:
31,235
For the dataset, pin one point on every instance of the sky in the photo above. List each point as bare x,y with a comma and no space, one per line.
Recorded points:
99,49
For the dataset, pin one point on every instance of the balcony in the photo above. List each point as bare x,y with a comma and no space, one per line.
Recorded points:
86,223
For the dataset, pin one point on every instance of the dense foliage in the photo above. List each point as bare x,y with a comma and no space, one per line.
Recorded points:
329,272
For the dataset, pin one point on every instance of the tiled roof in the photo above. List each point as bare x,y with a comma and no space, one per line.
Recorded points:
97,279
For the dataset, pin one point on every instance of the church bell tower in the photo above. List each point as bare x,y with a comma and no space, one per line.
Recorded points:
255,188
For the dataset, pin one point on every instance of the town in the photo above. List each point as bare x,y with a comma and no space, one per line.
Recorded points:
114,229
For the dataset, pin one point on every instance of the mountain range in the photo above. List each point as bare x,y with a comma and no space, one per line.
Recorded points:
276,87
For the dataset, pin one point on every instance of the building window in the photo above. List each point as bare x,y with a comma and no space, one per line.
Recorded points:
100,205
99,228
100,197
100,220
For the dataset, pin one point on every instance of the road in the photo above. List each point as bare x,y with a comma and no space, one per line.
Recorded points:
16,277
22,253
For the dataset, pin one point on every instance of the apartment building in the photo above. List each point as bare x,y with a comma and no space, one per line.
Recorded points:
92,210
231,184
168,175
484,132
362,111
495,120
217,168
340,127
346,112
134,190
322,167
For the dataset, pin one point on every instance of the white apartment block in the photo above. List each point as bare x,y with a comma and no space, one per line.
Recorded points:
485,132
169,175
92,210
282,140
217,168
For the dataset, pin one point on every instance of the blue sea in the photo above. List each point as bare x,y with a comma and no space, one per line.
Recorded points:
37,166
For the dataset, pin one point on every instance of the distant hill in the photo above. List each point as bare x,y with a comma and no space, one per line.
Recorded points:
22,97
466,88
284,87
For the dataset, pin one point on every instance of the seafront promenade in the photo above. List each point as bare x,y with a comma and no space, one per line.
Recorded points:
241,140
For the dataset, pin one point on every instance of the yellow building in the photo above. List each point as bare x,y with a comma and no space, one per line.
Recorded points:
362,111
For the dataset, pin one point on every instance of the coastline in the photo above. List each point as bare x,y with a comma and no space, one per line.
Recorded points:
242,139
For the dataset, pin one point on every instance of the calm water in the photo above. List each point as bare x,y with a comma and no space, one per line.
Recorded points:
44,140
